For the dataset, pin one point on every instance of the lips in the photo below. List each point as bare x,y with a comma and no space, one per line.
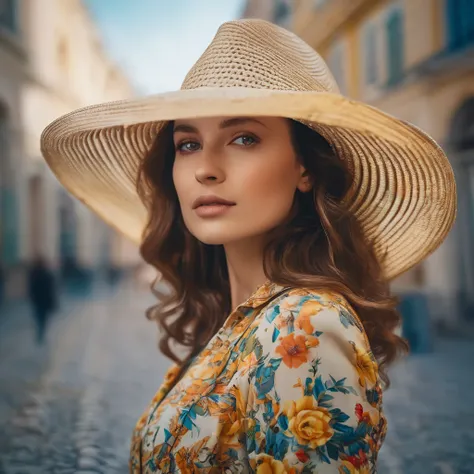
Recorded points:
211,201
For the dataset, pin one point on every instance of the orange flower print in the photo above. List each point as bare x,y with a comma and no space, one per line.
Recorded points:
294,349
308,309
309,423
366,367
186,457
247,363
172,373
228,429
265,464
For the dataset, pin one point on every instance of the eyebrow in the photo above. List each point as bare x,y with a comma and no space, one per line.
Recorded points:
231,122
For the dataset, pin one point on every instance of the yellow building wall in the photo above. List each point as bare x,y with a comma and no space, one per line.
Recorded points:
429,101
423,29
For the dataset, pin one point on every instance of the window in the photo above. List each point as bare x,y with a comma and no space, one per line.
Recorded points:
336,64
460,23
8,15
369,54
395,45
282,12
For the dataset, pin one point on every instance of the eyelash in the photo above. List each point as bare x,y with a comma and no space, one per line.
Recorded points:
255,139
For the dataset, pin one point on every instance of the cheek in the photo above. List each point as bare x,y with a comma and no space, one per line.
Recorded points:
180,181
269,191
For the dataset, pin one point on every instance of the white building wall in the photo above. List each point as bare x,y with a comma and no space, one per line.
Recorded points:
69,70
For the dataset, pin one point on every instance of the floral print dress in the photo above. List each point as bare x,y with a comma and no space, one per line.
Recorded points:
287,385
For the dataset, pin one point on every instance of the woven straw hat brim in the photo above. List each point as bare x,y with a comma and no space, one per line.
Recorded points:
404,192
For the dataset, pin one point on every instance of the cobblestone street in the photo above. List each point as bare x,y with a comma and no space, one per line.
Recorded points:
70,407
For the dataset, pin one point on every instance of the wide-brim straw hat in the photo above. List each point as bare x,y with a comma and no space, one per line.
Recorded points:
403,191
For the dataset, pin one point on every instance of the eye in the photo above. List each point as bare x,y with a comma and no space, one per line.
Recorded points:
187,146
246,140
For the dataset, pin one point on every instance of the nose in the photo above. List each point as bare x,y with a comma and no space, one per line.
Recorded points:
209,170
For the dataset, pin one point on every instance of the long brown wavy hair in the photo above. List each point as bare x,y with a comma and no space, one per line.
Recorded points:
321,246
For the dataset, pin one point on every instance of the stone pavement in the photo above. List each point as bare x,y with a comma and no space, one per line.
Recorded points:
70,407
430,412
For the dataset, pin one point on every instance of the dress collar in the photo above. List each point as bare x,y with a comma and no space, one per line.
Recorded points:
262,295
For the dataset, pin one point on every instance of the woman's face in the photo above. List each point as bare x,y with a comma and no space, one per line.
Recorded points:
235,177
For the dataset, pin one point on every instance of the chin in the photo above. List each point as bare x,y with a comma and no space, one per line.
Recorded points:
214,238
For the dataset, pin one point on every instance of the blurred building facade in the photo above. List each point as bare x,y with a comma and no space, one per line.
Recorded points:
276,11
51,62
415,60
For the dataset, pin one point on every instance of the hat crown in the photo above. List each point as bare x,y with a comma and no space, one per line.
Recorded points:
260,55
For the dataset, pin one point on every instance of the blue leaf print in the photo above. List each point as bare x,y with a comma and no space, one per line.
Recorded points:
275,363
309,469
356,445
343,428
168,435
188,423
333,451
270,439
271,315
338,386
283,421
318,388
372,396
282,446
214,397
200,410
187,416
325,400
363,429
251,444
322,451
265,381
231,452
338,415
276,333
268,414
164,449
345,318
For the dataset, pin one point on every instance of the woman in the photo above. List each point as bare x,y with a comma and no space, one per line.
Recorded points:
277,211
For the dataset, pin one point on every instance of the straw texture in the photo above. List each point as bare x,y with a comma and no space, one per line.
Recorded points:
403,193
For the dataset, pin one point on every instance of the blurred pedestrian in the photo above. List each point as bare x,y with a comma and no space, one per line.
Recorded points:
278,211
42,294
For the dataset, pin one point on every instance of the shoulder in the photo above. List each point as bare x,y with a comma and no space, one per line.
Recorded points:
310,311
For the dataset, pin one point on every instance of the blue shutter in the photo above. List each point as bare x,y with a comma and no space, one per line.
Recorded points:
370,51
459,23
282,12
8,15
395,46
9,226
452,20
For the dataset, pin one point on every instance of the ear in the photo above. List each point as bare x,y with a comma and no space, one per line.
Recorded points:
305,183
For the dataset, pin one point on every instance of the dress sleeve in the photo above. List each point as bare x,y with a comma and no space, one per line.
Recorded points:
314,400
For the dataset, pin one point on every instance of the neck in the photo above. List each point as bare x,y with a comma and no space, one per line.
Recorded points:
245,266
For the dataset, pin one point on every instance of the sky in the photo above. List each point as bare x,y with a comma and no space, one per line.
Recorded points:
156,42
